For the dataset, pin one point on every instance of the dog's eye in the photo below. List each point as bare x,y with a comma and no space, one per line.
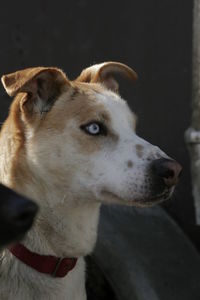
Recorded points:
94,128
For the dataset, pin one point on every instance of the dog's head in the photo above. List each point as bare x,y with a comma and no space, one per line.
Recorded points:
79,137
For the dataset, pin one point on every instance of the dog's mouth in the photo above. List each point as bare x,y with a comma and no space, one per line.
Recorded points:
110,197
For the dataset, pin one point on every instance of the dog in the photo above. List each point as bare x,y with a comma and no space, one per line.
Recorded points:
72,146
17,214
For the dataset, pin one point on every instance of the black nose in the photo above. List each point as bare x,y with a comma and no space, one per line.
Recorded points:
167,169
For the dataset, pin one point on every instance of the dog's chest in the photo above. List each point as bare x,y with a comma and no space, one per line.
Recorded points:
34,286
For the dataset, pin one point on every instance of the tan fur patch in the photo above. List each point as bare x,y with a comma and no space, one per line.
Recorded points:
139,150
83,109
129,164
13,136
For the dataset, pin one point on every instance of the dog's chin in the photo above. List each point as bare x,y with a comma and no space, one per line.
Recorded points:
111,198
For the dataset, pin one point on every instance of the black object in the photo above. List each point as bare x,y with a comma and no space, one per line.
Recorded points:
16,215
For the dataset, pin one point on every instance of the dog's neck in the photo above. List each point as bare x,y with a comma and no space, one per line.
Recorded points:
68,233
64,227
67,225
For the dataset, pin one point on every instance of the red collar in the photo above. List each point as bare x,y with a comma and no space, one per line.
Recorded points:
48,264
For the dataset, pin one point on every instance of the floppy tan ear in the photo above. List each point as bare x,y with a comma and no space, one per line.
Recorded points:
104,73
41,84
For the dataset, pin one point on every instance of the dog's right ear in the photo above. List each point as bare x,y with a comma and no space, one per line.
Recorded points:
42,86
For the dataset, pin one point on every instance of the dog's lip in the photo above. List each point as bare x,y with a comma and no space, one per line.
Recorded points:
138,201
162,196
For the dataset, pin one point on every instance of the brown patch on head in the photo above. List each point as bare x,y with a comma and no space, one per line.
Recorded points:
83,110
139,150
80,104
129,164
77,107
12,147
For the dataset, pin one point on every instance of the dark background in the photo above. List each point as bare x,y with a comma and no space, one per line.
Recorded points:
153,37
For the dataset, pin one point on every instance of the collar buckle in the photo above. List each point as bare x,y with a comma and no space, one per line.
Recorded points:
56,267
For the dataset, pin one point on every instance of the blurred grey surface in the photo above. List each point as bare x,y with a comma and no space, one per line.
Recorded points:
145,256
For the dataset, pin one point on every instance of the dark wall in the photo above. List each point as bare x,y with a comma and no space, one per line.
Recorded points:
153,37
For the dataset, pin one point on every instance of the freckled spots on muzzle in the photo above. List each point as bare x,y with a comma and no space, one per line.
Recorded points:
130,164
139,150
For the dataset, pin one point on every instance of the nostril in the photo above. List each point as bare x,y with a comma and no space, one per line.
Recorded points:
169,170
168,174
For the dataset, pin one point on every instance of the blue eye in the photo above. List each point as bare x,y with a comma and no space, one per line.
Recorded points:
94,128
